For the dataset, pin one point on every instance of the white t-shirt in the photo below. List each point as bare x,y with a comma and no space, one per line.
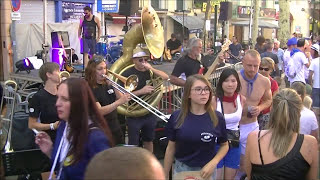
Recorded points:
315,67
286,59
308,121
299,59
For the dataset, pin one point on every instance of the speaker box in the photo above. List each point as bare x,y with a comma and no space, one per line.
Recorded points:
64,37
225,11
128,7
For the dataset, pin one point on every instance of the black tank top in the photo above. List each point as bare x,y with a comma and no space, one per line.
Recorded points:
89,28
291,167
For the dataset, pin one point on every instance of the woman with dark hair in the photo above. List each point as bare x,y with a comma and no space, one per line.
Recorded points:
281,152
107,97
194,131
229,103
81,134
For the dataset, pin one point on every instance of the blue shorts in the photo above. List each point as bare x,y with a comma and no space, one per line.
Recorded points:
146,124
315,97
232,158
89,46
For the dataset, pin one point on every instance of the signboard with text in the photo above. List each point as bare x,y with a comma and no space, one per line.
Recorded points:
213,3
244,12
268,12
72,11
109,6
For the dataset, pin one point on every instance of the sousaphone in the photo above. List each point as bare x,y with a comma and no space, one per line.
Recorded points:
150,32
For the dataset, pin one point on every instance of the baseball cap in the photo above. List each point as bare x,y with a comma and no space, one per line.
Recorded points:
315,47
139,52
292,41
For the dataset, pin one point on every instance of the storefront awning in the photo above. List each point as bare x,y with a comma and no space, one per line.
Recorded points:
261,23
193,23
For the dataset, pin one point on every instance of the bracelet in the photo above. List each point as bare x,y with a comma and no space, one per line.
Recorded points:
51,126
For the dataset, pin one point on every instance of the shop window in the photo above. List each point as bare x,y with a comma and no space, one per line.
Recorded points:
179,4
155,4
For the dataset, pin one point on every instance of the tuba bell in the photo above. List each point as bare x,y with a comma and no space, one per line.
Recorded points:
150,32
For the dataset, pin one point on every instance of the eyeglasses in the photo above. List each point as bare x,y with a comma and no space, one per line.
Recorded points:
265,69
142,59
199,90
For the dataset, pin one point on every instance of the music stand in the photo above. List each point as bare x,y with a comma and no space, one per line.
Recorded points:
25,162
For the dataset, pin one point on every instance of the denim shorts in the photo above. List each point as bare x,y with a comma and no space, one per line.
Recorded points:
146,124
180,167
315,97
89,46
232,158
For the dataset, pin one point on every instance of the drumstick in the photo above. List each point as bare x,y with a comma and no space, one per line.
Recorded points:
35,131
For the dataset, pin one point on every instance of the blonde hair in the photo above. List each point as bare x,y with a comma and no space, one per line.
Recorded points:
186,101
307,102
267,61
284,120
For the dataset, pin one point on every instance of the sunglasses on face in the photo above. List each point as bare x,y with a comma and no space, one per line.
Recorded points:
263,69
142,59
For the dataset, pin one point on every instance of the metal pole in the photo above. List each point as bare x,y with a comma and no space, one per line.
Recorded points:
45,25
14,44
215,27
182,25
313,16
250,25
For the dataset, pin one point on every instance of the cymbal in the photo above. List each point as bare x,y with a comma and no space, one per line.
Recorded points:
108,36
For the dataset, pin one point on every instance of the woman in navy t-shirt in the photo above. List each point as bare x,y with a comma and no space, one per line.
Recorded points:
194,131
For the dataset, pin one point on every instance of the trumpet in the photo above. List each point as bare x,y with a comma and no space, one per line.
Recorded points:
135,98
64,75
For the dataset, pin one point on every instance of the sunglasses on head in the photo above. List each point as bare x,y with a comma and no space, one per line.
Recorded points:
96,60
265,69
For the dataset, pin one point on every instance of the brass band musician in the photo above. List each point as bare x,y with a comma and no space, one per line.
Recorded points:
145,123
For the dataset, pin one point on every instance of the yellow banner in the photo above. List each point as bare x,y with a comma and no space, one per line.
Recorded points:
213,3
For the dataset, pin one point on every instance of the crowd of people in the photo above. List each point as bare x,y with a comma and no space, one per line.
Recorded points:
248,126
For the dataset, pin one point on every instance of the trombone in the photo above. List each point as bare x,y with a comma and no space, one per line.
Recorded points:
135,98
64,75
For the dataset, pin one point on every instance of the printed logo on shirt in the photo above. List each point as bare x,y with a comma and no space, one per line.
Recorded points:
110,91
31,110
206,137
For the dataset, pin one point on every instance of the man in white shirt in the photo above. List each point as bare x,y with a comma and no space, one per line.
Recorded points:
308,120
300,59
314,79
279,52
292,43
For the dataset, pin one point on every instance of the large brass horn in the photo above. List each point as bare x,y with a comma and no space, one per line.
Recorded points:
150,32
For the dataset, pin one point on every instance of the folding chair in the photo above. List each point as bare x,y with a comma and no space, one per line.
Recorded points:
9,97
